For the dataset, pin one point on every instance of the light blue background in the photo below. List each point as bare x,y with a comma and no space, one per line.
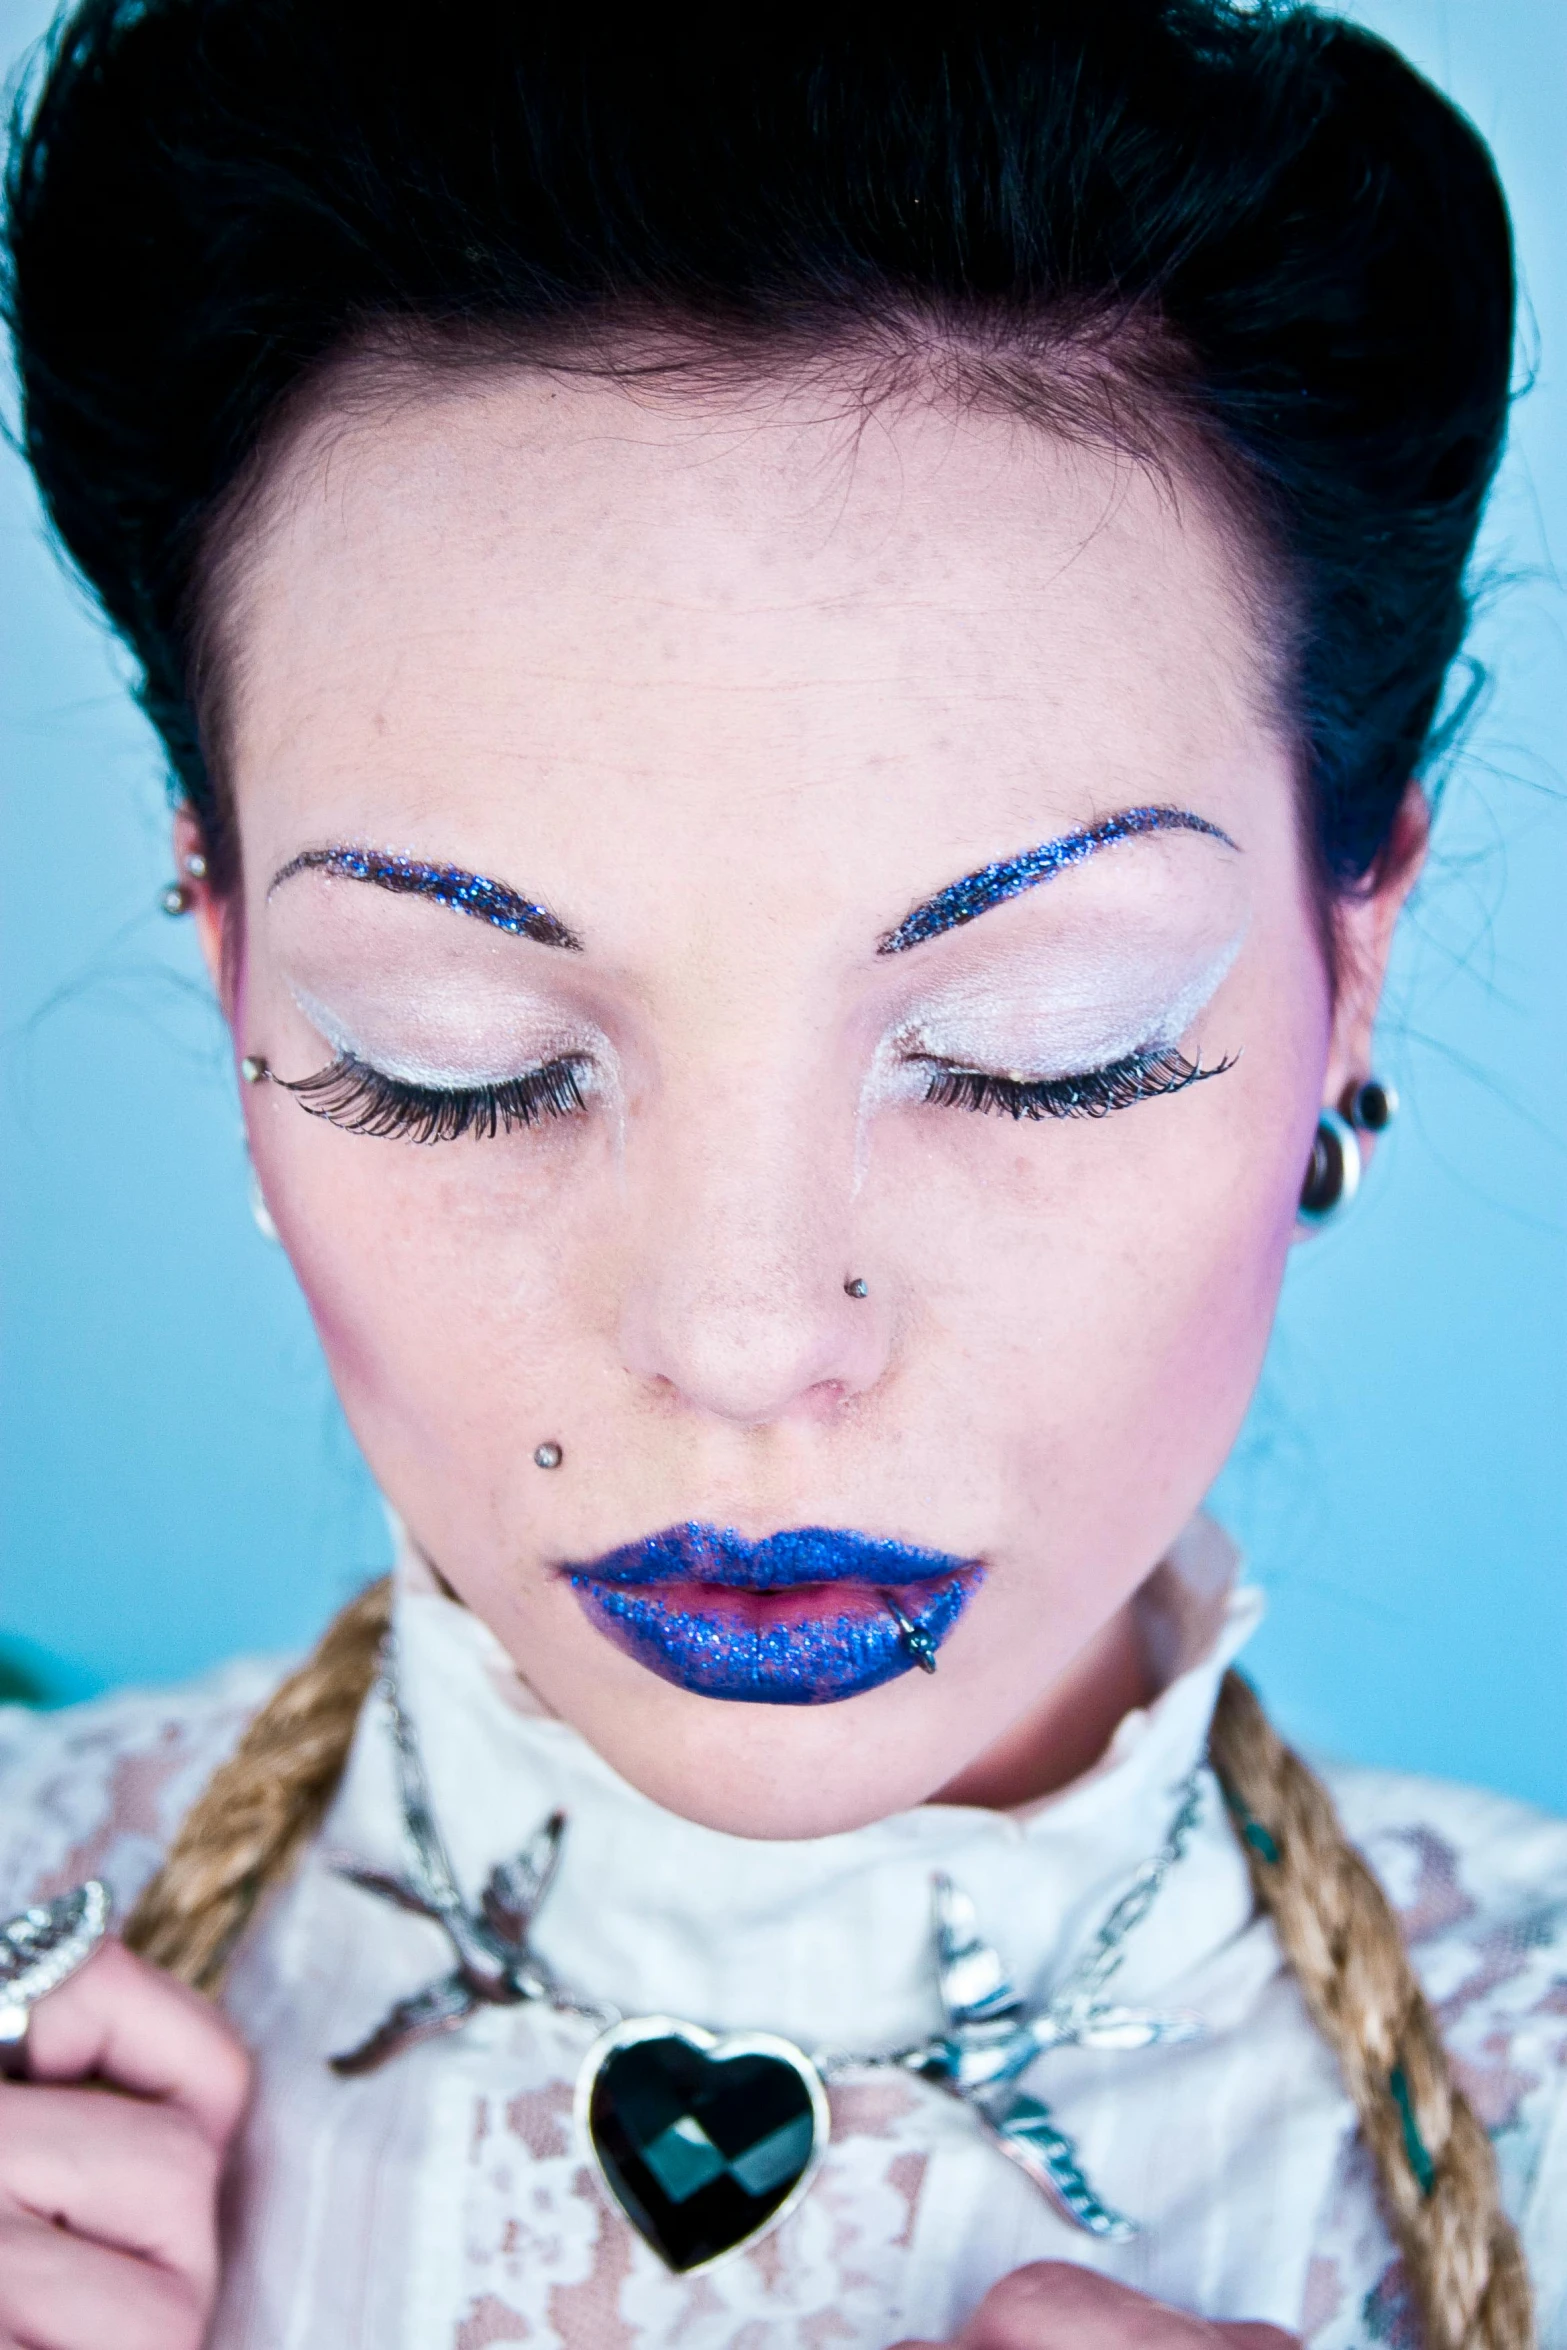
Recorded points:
177,1482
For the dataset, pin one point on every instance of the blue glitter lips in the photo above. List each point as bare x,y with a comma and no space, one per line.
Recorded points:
963,901
447,885
796,1619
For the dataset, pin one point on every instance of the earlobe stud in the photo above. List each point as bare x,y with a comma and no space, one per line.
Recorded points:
175,898
254,1069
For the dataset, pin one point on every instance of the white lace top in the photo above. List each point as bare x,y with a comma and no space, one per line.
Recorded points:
444,2202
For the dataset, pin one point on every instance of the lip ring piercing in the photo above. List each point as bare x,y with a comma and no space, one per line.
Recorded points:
918,1642
856,1287
548,1456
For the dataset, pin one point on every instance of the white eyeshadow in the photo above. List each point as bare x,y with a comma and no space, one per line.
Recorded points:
413,1042
1057,1014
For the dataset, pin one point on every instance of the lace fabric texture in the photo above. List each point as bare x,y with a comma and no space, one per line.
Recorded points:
445,2202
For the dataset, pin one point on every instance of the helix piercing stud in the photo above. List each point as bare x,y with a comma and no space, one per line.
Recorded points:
196,865
175,899
548,1456
856,1288
918,1642
253,1069
1370,1106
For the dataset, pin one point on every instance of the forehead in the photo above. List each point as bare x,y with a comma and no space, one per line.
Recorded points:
533,588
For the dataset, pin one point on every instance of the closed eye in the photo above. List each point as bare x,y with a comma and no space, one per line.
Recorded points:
1138,1077
362,1100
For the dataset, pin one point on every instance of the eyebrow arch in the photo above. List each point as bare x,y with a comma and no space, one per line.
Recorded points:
965,900
446,885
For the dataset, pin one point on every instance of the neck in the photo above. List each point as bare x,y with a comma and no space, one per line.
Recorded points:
1068,1730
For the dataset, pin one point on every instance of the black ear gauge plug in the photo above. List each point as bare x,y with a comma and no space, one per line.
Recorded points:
1370,1106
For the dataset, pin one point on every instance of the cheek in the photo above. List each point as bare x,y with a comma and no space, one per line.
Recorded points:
444,1281
1102,1291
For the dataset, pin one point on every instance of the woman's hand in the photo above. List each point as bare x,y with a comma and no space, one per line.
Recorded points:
1053,2306
108,2203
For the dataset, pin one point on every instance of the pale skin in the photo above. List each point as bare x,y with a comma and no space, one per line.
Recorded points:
730,684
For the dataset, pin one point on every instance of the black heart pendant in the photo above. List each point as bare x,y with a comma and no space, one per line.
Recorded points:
703,2142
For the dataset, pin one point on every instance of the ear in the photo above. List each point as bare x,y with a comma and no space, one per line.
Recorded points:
1363,926
212,925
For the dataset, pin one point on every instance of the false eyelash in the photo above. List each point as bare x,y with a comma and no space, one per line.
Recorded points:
361,1100
1141,1077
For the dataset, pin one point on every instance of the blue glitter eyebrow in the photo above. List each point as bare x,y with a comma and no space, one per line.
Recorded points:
446,885
965,900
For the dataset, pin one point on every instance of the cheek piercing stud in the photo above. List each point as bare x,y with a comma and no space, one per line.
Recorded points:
548,1456
856,1288
921,1647
253,1069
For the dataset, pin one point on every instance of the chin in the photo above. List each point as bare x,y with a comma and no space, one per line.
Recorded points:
783,1774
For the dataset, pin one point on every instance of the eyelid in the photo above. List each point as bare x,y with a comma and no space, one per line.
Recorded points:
1003,1022
551,1041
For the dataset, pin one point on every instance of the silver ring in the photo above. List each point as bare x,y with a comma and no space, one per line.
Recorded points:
39,1950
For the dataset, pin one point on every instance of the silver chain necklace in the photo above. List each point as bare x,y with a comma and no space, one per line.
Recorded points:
707,2141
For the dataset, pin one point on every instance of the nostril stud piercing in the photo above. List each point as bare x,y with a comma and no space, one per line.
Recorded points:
253,1069
856,1288
548,1456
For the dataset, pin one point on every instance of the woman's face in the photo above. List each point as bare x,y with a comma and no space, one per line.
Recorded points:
762,723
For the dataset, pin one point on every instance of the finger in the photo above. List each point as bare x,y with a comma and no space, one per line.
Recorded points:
1054,2305
57,2293
139,2178
118,2019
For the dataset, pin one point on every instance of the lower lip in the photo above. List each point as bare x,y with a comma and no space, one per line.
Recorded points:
812,1645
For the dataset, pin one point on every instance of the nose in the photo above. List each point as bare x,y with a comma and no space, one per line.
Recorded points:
738,1297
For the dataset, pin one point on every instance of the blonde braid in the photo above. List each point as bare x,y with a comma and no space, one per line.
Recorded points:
260,1808
1339,1934
1333,1921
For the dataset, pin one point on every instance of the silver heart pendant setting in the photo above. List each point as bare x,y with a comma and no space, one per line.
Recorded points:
704,2142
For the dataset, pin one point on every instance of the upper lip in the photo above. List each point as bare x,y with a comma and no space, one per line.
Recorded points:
784,1561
